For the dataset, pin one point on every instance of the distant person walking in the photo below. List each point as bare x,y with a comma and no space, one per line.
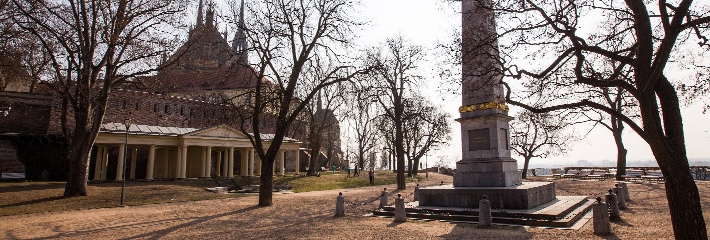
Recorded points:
372,177
348,171
357,173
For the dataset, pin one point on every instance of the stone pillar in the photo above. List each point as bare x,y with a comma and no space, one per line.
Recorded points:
219,169
243,163
98,162
400,214
121,158
383,198
280,166
151,163
166,162
416,192
250,162
178,162
340,205
600,217
298,162
230,171
104,163
485,219
620,196
183,164
203,162
208,171
626,195
134,158
613,206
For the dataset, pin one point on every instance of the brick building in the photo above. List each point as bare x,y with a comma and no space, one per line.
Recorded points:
182,103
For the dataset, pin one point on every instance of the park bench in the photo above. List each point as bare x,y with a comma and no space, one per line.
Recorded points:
654,175
571,173
598,174
13,176
633,175
557,173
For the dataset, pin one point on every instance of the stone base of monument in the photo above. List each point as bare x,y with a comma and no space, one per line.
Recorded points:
524,196
561,212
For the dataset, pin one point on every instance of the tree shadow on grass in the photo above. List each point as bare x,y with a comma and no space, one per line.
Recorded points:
35,201
157,234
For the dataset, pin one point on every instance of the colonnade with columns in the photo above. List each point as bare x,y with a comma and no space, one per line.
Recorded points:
186,161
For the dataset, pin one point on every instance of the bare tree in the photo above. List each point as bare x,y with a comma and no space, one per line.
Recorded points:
637,37
539,136
290,40
394,77
426,127
93,46
323,125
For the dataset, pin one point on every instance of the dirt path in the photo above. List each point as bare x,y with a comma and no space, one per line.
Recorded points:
310,216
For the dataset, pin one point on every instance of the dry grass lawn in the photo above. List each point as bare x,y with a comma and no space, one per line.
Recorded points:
305,215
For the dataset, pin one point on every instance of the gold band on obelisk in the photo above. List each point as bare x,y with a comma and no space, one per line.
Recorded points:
483,106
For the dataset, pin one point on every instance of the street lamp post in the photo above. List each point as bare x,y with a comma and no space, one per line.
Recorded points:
127,123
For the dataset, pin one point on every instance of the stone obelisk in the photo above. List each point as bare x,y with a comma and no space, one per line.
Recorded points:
486,168
486,160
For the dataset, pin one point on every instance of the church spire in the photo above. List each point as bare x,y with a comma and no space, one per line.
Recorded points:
209,18
199,15
239,44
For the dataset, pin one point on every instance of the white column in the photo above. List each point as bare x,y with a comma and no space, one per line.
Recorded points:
298,162
134,157
250,164
208,171
183,162
119,165
243,161
230,171
281,169
98,162
151,163
203,163
104,163
218,170
166,162
225,163
178,162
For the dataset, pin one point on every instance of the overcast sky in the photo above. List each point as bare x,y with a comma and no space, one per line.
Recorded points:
427,22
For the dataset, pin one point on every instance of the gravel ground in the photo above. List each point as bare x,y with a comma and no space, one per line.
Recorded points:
310,216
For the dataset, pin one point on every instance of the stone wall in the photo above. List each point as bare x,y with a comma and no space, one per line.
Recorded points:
30,113
9,162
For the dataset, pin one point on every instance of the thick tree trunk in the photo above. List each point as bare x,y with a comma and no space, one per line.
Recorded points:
683,200
267,181
78,166
667,141
313,166
525,167
620,153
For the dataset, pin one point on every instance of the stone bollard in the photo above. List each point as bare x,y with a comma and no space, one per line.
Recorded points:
340,205
383,198
600,217
613,206
620,196
400,214
416,192
484,213
626,191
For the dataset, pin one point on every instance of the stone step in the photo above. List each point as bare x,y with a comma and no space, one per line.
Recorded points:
561,213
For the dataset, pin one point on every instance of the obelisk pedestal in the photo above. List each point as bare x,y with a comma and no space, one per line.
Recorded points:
486,167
